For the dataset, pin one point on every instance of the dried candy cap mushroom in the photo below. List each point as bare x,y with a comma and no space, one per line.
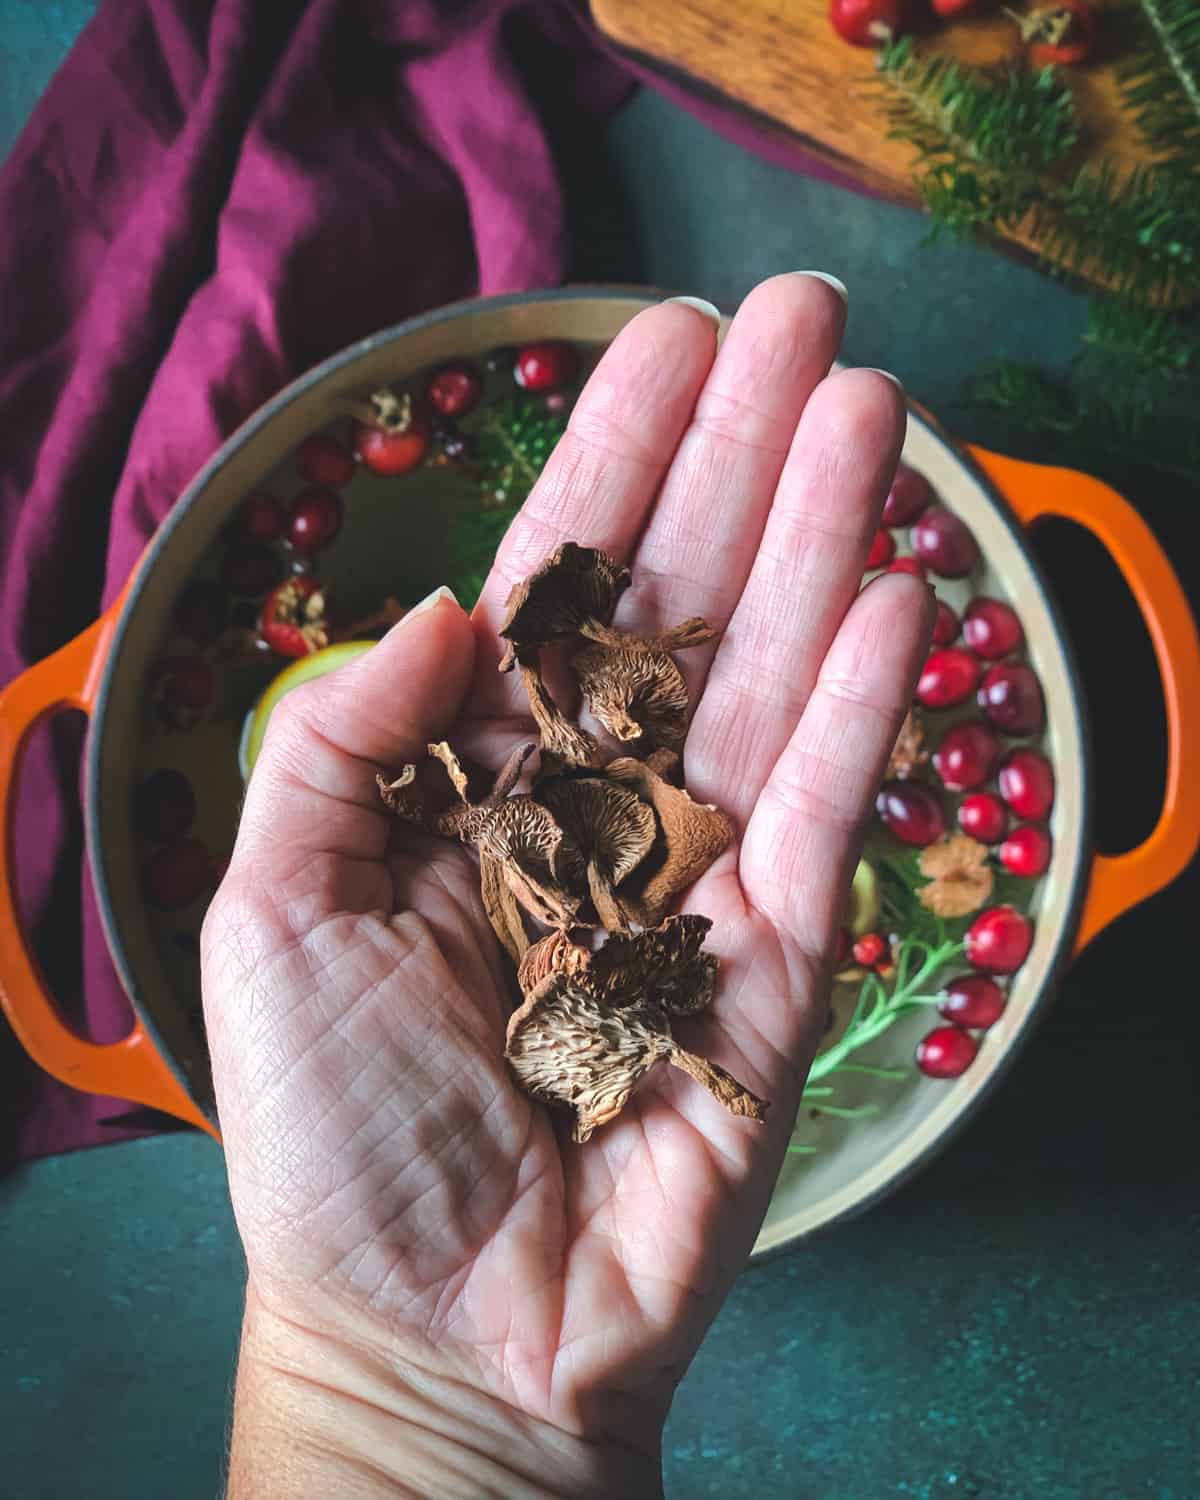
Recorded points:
573,587
637,695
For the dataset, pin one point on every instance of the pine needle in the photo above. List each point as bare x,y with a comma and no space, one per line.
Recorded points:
1160,78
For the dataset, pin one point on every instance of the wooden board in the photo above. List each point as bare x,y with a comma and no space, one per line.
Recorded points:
781,60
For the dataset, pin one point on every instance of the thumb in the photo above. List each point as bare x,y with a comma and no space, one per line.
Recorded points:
313,786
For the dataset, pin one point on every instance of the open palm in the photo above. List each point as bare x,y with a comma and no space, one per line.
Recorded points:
387,1173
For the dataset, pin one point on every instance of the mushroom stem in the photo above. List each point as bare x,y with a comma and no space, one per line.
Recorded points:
723,1086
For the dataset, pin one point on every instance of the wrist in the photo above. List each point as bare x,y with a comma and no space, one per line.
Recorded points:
316,1414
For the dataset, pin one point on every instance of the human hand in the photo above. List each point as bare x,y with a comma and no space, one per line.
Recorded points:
445,1295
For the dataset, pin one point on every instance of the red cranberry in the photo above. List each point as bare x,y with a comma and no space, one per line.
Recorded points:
175,876
1026,851
911,812
907,565
546,366
181,688
991,628
323,460
946,1052
454,390
973,1000
948,677
390,453
944,543
945,624
202,611
250,569
262,518
870,950
983,817
1011,696
883,549
998,940
314,519
907,498
1026,782
966,756
164,806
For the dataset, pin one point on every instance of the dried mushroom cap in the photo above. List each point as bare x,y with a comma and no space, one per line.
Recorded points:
636,695
908,753
502,908
693,835
574,586
398,797
541,864
555,954
567,1046
960,878
613,829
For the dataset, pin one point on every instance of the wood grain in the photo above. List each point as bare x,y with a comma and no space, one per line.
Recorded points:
781,60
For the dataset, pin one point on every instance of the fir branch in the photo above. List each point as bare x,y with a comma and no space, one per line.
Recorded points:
985,140
1160,78
1154,342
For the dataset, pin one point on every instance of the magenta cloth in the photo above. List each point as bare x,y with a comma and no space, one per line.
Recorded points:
212,196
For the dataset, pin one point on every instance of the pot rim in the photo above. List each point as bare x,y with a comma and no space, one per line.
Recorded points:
265,413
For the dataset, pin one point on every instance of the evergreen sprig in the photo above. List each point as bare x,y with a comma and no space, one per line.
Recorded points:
1160,78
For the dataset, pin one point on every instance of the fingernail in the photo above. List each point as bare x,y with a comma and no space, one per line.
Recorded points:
698,304
887,375
430,601
838,286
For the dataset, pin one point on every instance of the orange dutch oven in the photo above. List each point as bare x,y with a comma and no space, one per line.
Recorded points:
162,1062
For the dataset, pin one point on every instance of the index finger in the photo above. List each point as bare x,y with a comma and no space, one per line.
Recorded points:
601,480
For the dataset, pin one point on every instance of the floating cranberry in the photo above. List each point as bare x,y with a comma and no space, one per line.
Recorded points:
911,812
454,390
323,460
250,569
973,1000
999,939
991,628
202,611
949,676
546,366
293,617
314,519
175,876
907,565
946,1052
262,518
181,688
1011,696
945,624
1026,851
871,949
1026,782
983,817
966,756
164,806
883,549
907,498
943,542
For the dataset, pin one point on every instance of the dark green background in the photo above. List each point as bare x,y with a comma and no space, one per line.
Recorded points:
1021,1320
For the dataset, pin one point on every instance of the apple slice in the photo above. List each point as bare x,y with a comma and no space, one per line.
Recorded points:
302,670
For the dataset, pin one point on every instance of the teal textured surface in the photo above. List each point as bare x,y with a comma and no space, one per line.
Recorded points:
1021,1321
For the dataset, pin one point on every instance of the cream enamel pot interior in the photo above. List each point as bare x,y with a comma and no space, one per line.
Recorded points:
162,1062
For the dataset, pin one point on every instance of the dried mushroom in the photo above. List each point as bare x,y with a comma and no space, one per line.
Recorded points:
909,752
596,1023
595,842
574,587
612,828
636,695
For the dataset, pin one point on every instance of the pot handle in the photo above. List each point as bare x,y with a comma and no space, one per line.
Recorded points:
131,1068
1121,881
